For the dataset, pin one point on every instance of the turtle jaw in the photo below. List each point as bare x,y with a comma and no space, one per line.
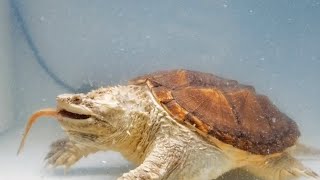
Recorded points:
65,114
69,111
73,112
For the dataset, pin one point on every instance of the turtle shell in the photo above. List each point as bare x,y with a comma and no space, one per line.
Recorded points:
231,112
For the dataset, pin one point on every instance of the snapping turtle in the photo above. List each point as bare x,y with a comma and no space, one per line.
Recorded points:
178,124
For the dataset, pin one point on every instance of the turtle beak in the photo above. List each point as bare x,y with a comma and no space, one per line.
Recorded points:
69,106
67,114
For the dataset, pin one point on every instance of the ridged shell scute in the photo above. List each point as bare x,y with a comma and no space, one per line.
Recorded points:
231,112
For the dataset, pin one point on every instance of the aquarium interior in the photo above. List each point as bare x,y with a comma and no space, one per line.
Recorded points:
53,47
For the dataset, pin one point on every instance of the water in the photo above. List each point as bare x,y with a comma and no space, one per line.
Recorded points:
52,47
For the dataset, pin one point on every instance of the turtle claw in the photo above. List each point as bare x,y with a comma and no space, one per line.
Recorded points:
62,153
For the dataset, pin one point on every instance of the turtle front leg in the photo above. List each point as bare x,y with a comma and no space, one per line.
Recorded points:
161,163
63,152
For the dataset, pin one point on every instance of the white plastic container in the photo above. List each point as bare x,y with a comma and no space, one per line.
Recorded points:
6,74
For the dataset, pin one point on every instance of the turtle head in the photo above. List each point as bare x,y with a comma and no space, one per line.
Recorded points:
95,118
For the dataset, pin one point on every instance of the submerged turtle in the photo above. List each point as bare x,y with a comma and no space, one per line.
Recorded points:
178,124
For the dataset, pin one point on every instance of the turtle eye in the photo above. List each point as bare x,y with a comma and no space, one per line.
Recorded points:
76,99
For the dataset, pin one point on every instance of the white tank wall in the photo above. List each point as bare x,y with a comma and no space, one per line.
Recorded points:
6,110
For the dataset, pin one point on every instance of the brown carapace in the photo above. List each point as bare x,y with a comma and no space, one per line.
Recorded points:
231,112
